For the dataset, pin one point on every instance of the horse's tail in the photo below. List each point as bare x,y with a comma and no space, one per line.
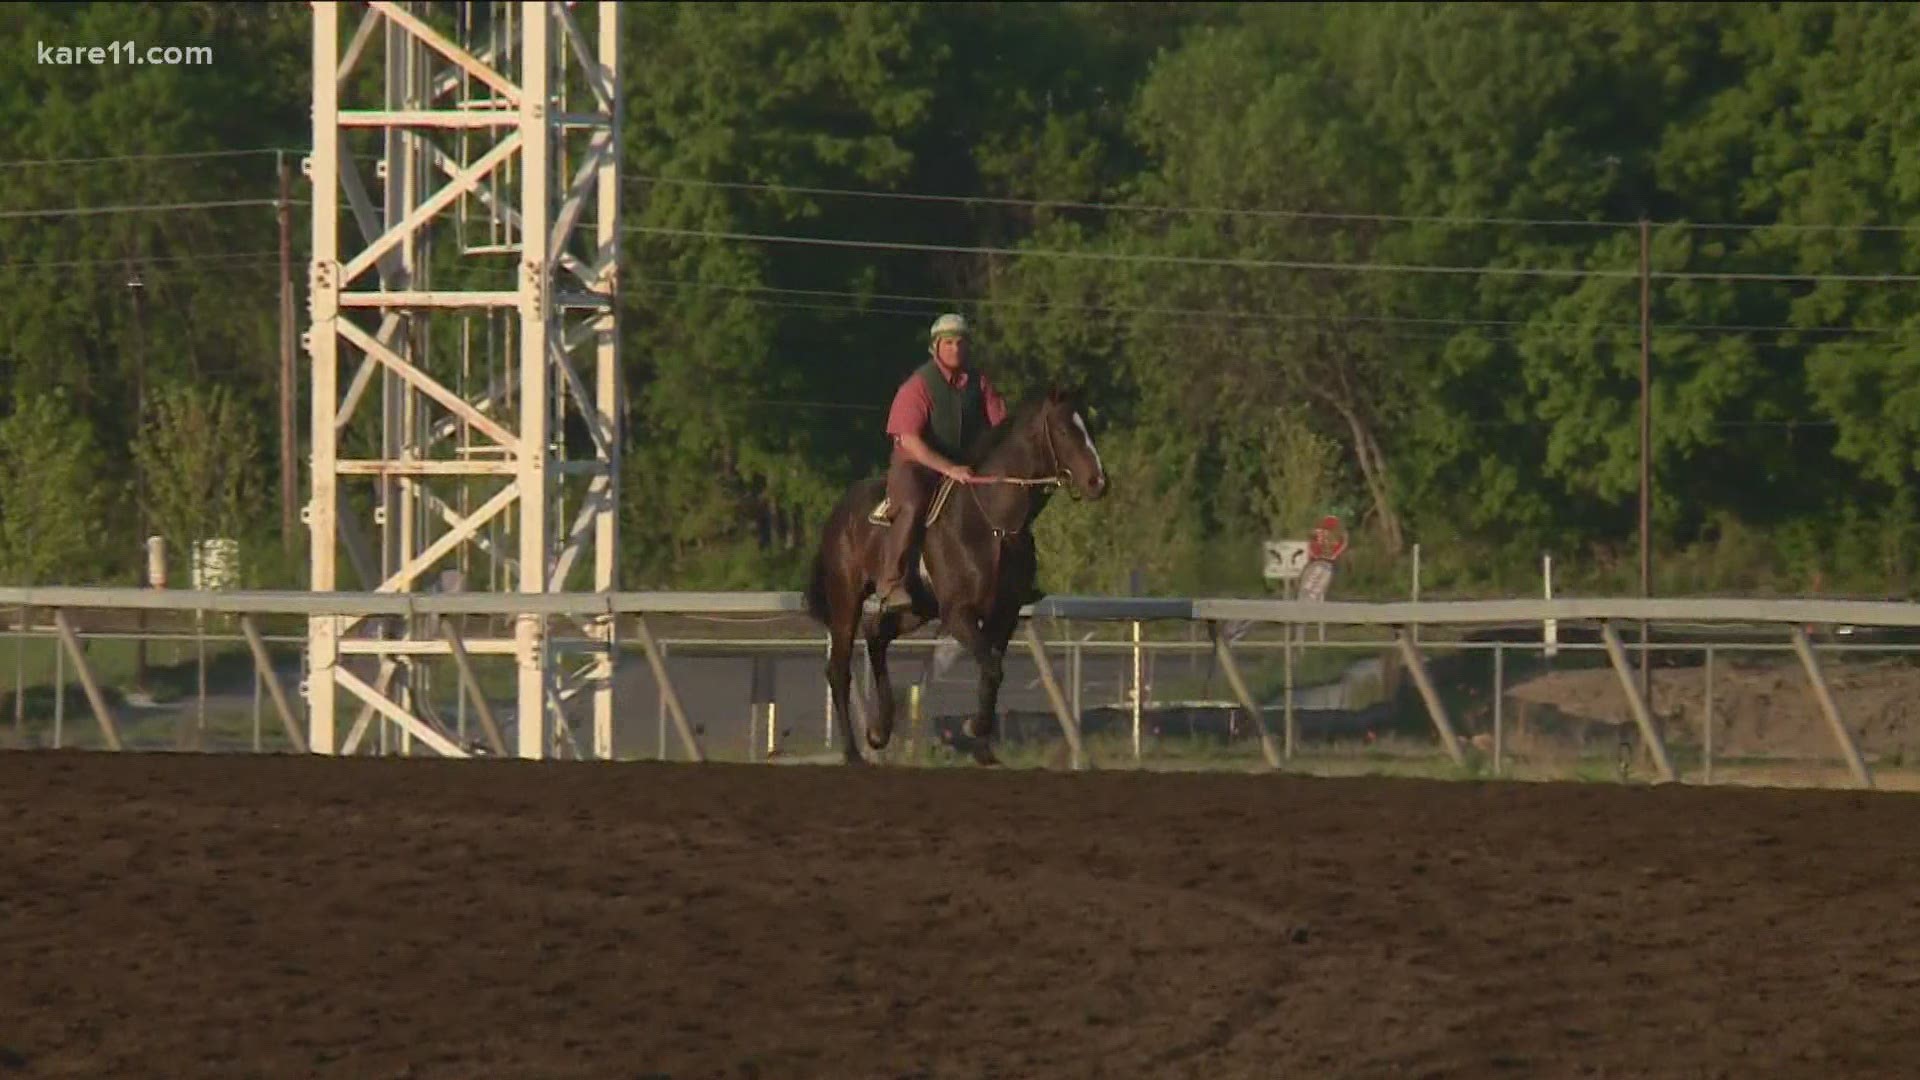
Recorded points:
817,586
832,538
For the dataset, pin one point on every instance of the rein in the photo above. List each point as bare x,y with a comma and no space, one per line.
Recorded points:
1056,480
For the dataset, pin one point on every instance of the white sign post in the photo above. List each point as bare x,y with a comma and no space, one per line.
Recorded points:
1284,560
1551,631
156,562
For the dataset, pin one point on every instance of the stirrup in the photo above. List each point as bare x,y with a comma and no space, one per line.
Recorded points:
879,602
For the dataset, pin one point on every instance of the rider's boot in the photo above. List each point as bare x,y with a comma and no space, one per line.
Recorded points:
890,592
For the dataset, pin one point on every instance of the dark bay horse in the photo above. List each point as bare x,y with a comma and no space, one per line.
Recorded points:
974,565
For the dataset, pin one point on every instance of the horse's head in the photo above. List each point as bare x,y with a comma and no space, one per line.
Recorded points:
1064,432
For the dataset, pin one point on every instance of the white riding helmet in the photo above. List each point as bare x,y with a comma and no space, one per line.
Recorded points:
948,325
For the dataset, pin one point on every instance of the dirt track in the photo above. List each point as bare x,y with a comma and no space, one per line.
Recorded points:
184,916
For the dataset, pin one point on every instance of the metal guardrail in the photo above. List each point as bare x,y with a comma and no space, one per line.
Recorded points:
1092,608
1795,616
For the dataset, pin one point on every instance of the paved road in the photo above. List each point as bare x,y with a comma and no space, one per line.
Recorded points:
716,688
717,693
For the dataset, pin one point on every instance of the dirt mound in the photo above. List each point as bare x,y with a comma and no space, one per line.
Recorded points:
1761,708
175,915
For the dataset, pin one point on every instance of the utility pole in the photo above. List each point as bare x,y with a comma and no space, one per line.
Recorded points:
1646,452
135,287
289,477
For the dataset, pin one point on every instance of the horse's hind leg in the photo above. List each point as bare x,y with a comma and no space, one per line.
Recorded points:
840,679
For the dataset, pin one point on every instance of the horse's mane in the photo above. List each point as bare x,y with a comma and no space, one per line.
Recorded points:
993,438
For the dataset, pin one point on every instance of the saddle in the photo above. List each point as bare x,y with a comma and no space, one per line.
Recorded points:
883,513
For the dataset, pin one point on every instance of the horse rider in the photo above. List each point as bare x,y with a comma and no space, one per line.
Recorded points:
937,413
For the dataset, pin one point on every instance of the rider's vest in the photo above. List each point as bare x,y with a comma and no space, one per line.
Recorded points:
958,416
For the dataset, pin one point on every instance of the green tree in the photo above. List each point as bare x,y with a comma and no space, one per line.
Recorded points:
1490,408
1146,523
56,495
121,173
196,461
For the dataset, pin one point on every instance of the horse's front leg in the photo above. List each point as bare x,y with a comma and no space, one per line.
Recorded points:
987,650
995,632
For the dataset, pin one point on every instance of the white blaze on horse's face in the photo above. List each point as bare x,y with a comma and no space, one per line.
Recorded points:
1099,470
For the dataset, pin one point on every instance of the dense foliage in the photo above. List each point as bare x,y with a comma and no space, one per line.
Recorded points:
1381,259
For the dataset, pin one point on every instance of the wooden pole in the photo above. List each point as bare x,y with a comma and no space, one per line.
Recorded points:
1069,723
1642,715
289,473
102,712
135,283
1646,450
671,698
470,688
1436,709
1855,763
263,667
1224,656
1706,723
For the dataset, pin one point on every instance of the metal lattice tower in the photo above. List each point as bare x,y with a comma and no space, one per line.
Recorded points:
454,426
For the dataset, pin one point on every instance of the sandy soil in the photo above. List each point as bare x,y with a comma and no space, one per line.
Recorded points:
1761,707
173,915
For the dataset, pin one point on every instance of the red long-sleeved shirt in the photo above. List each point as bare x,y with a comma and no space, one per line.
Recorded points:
913,406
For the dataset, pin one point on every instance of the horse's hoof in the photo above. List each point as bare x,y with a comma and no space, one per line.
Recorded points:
983,755
881,744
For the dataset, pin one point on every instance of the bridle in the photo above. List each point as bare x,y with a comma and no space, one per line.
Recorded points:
1061,477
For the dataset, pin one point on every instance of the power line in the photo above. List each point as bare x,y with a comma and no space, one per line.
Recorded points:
1141,208
1225,313
1184,260
1789,423
1235,332
152,208
1774,328
1516,425
145,260
1736,275
1254,212
1268,264
1523,425
797,306
1786,226
1129,257
1069,204
822,405
28,163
